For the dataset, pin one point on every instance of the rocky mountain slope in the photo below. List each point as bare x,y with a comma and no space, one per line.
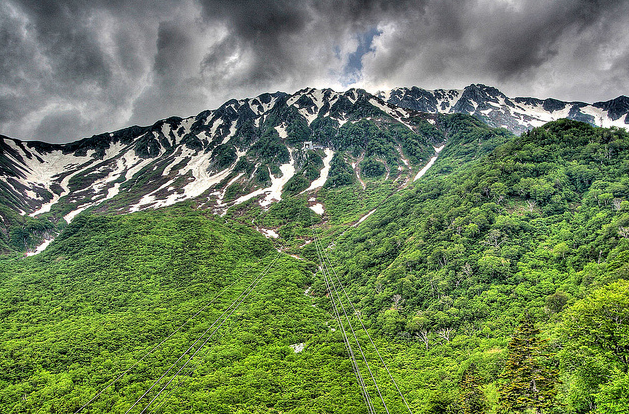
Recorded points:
515,114
244,149
262,148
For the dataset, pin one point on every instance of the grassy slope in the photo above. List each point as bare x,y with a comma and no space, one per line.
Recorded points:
468,252
110,288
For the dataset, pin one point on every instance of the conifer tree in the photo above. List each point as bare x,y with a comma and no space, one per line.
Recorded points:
472,399
528,382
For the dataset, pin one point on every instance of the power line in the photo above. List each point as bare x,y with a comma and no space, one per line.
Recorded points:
369,336
359,378
355,368
240,299
188,373
326,256
335,291
155,347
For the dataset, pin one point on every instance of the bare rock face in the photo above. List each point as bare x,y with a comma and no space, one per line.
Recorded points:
261,148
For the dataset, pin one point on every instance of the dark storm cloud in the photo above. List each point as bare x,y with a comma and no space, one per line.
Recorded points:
70,68
528,38
58,125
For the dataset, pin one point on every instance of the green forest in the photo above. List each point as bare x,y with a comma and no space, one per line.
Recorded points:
497,283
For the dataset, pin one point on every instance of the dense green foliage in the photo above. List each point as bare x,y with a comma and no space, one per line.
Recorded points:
537,224
528,382
446,274
110,288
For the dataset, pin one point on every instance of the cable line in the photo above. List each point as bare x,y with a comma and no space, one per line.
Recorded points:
369,336
240,299
340,284
156,347
355,367
189,373
361,382
335,291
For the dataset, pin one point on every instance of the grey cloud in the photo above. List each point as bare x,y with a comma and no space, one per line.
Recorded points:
256,20
105,64
502,43
59,125
176,87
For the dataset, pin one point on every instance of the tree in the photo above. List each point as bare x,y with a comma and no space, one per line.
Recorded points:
528,382
472,399
613,397
600,322
596,335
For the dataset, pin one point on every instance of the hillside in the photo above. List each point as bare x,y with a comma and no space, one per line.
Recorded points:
440,271
259,149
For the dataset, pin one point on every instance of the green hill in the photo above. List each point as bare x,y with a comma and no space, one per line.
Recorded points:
506,263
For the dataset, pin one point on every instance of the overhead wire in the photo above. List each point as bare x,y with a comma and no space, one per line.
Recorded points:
119,377
368,335
360,349
190,371
236,302
326,257
355,367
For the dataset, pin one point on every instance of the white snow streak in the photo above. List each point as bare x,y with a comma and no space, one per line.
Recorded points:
40,248
363,218
323,177
318,208
430,163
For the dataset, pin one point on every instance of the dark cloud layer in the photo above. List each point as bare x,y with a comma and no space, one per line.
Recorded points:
70,68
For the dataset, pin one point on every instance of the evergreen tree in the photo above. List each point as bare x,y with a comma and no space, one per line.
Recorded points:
528,382
472,399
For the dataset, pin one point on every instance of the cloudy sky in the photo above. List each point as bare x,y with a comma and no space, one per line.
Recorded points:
73,68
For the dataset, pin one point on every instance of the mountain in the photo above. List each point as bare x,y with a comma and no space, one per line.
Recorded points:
258,149
345,225
253,149
515,114
179,310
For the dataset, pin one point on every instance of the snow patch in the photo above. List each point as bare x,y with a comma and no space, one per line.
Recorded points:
363,218
40,248
281,130
232,132
297,348
277,183
430,163
268,233
318,208
323,177
71,215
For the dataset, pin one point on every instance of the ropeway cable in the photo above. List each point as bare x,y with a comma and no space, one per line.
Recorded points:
359,378
155,347
366,331
190,371
208,338
369,336
251,286
180,381
182,355
355,368
335,291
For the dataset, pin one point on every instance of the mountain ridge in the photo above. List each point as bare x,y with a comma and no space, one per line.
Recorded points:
517,114
262,148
